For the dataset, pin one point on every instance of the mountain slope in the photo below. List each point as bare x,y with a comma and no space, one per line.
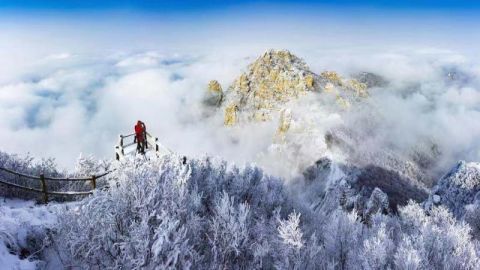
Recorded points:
208,214
274,79
458,188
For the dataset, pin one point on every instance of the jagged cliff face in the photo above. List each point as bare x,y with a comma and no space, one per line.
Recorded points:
276,78
459,192
367,190
214,95
272,80
457,189
308,111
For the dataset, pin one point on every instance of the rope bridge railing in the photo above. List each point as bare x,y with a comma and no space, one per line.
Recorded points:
42,178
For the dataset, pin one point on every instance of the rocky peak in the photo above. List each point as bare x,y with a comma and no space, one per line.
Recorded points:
370,79
465,175
262,91
273,79
214,95
457,189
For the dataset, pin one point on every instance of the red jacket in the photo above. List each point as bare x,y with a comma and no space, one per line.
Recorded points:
139,132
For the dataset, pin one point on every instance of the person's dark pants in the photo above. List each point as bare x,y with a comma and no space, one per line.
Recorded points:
140,147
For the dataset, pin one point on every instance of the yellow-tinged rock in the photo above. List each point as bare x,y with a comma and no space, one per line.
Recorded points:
230,115
243,83
261,116
276,78
285,55
271,81
263,92
214,95
309,81
359,88
333,77
274,74
329,87
283,125
285,120
345,104
262,104
214,87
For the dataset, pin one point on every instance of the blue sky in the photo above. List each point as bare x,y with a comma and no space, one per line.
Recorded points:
188,5
82,25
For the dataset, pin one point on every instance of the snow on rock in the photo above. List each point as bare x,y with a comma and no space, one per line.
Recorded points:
357,146
377,203
23,228
10,261
457,189
370,79
208,214
368,189
171,213
309,111
274,79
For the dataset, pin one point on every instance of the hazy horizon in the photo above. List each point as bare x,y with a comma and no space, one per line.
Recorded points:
71,76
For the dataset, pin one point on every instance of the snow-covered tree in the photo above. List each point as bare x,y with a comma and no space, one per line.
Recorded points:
207,214
440,241
343,240
378,249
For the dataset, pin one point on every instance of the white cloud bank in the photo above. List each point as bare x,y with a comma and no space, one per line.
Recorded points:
75,91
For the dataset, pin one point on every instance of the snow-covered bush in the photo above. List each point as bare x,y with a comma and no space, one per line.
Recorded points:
472,217
295,250
457,189
229,230
343,240
378,249
290,231
437,239
86,166
407,257
23,233
200,214
26,165
207,214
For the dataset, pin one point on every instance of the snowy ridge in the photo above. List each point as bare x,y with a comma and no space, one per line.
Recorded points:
458,188
465,175
359,188
208,214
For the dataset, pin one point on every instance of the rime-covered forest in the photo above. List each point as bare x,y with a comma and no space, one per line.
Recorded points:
209,214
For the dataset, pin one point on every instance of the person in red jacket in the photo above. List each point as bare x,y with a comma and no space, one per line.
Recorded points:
140,136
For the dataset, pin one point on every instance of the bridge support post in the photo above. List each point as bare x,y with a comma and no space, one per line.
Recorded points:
120,140
94,182
44,188
117,152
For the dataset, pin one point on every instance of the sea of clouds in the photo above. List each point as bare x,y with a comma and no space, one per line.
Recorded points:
71,89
